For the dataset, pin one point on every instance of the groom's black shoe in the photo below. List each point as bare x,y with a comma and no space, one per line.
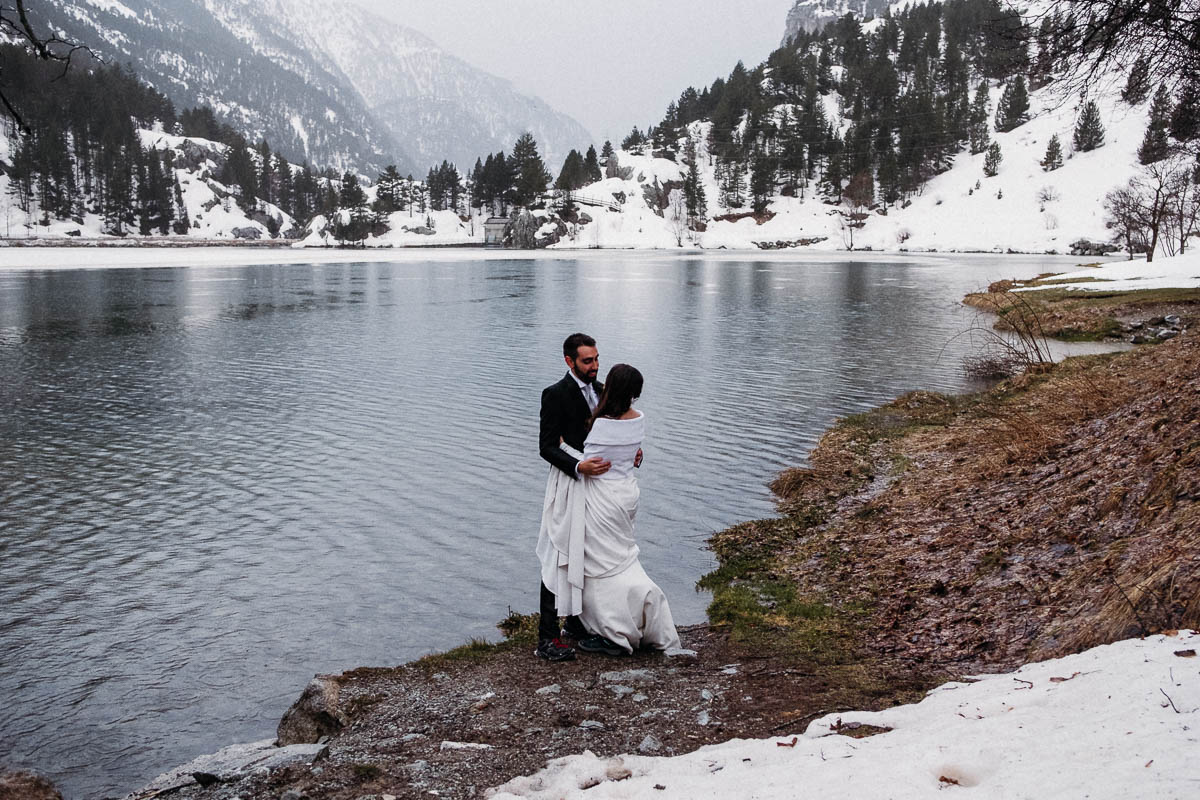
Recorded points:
554,650
600,644
575,632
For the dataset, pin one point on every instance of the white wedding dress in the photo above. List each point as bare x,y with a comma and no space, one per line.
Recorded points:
620,601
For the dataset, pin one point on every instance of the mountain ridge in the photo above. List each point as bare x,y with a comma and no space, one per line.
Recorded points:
297,73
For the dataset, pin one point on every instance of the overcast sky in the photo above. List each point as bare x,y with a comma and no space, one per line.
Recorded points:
611,64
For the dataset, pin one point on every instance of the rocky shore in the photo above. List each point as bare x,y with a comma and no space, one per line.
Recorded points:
931,538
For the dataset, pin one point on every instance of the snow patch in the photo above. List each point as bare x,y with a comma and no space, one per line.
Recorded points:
1121,720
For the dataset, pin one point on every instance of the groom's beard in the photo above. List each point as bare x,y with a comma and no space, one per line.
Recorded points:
586,378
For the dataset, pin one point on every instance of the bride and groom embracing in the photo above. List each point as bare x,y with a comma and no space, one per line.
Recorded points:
592,436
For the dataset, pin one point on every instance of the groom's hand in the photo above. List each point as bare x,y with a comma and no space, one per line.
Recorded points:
637,460
593,466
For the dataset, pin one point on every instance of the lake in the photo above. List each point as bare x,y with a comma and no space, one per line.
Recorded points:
217,481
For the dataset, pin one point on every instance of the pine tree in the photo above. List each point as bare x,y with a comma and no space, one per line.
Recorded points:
286,192
573,174
452,185
388,190
1089,131
1137,85
437,191
353,222
762,180
978,120
531,173
591,166
1053,158
1155,146
1013,107
351,194
889,175
991,161
693,188
1043,64
606,151
266,177
1185,121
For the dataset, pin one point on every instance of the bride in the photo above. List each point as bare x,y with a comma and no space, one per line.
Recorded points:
622,607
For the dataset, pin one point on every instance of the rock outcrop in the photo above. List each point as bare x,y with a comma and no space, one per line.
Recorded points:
813,15
317,713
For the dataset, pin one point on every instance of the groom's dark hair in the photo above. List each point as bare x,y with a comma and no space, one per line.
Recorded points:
574,342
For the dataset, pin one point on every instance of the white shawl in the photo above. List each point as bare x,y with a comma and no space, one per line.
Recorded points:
560,540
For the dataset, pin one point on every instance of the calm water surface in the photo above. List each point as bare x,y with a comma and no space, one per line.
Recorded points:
217,482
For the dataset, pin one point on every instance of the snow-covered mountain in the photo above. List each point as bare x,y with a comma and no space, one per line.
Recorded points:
246,66
811,16
438,105
321,80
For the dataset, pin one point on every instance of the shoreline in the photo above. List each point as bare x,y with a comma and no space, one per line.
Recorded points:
169,243
792,634
49,258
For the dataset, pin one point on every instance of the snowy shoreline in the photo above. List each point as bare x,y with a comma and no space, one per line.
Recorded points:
107,257
1117,720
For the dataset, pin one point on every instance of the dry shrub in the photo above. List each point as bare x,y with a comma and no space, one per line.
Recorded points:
1026,432
1026,348
1156,588
990,365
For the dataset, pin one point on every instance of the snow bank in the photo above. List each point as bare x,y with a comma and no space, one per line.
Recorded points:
1178,272
1118,721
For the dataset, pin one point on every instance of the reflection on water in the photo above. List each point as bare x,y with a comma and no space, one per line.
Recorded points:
216,482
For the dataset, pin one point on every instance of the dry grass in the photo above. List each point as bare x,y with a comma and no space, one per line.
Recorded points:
1077,315
1057,511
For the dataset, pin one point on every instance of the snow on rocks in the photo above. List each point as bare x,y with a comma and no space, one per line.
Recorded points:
1120,720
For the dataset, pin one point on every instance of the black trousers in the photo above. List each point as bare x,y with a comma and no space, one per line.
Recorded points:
548,624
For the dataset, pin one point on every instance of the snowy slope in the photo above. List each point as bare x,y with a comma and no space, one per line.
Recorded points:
1023,208
212,210
1117,721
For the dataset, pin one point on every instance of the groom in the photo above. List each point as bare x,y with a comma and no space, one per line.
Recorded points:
566,408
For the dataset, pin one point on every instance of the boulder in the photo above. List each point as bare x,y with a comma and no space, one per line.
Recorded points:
21,785
191,156
1086,247
523,231
317,713
612,169
247,233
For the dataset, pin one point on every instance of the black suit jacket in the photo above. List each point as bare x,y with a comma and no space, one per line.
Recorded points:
565,414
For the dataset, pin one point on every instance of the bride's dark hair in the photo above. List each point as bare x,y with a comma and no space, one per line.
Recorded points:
622,386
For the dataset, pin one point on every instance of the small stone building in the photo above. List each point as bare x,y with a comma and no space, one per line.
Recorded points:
493,231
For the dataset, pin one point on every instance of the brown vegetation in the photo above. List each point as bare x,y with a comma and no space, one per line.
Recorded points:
1075,315
1056,512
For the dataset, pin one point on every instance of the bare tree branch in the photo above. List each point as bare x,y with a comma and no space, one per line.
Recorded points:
14,20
